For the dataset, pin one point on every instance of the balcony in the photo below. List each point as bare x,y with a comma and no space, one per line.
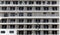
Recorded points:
28,5
31,17
24,34
29,21
37,34
28,11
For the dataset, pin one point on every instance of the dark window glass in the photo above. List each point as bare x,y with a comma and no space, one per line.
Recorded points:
20,20
4,20
12,14
54,32
54,8
12,20
46,8
37,32
21,32
4,26
45,20
7,2
20,26
37,26
44,13
29,8
12,26
38,8
5,14
2,2
29,26
38,2
4,8
46,32
52,13
11,31
12,8
46,26
20,2
2,31
25,2
29,32
43,2
15,2
21,8
21,14
48,2
37,20
54,2
31,2
29,20
54,20
29,14
54,26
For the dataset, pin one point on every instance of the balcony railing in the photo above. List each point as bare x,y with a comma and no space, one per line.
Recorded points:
37,34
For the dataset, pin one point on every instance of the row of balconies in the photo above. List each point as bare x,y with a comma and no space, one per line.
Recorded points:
30,14
37,34
27,11
36,20
31,26
30,2
45,32
28,32
30,8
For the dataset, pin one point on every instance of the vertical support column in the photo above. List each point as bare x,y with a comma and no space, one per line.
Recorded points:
0,26
49,26
59,28
59,16
7,20
24,14
41,20
33,26
16,26
16,21
24,21
7,26
16,8
50,20
7,8
41,26
4,1
33,20
24,26
41,32
50,32
32,32
34,2
9,15
24,30
24,8
15,32
11,2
